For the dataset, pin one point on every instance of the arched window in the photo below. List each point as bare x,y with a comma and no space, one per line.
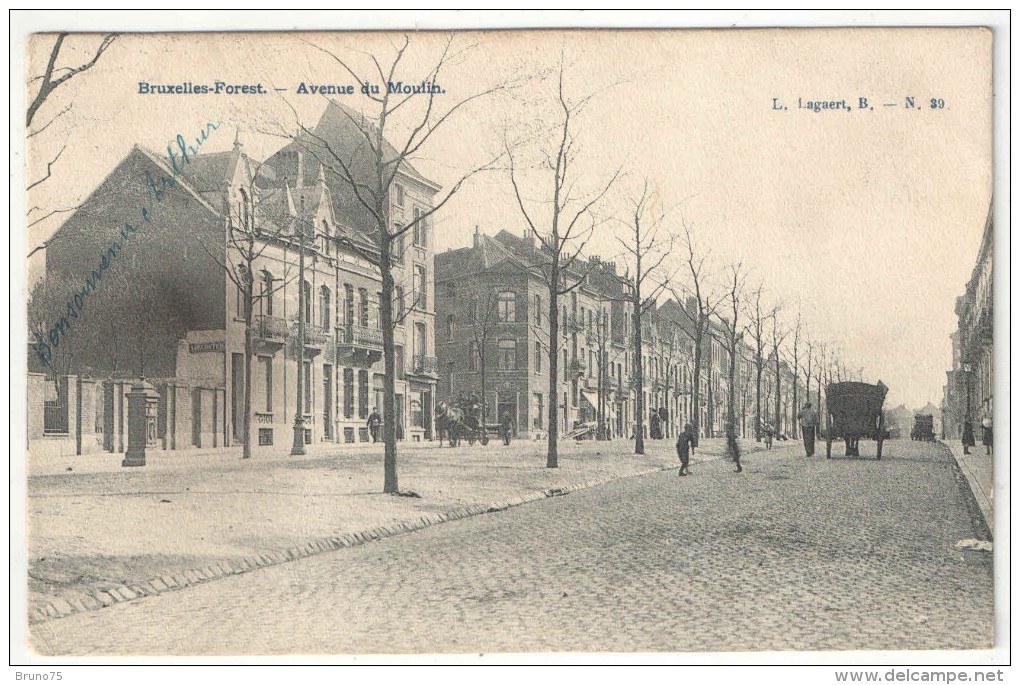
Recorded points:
245,217
324,307
267,293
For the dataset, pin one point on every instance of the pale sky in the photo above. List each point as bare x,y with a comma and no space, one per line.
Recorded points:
869,221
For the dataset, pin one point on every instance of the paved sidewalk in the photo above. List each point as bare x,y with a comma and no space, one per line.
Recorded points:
977,467
100,534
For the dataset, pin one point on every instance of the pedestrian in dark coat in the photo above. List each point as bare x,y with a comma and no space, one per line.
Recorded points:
986,434
684,447
506,427
968,436
374,421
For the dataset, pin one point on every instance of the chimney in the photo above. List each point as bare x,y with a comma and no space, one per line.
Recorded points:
692,306
477,237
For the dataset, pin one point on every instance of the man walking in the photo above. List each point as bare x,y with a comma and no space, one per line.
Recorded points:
808,418
374,421
684,447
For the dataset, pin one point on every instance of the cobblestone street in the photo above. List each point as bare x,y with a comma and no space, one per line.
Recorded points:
792,554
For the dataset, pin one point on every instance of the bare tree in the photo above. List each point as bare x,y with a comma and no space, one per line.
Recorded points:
599,339
483,318
796,371
706,302
390,149
733,336
53,77
778,337
249,235
648,250
570,224
756,328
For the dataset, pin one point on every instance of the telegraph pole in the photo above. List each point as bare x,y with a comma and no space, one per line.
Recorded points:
298,448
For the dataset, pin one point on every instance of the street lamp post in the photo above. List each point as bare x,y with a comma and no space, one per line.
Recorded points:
966,376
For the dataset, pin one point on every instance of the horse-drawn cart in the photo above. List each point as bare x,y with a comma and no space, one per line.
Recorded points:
463,420
854,412
924,428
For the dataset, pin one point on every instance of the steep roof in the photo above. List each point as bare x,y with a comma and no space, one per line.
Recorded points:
342,135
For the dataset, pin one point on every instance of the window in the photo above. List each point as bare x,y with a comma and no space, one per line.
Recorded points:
419,341
397,246
398,363
267,293
474,308
348,393
306,290
538,357
308,388
324,307
473,357
419,287
449,379
451,290
348,303
265,384
362,307
566,370
539,410
507,355
449,326
506,306
378,310
239,312
398,195
399,296
245,216
363,393
421,227
538,310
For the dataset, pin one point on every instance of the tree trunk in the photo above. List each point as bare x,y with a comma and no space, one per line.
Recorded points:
390,485
554,367
249,350
731,421
757,398
778,405
696,389
639,431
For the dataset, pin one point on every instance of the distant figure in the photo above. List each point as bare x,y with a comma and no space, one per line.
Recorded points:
684,447
986,433
374,421
768,436
968,436
506,427
808,418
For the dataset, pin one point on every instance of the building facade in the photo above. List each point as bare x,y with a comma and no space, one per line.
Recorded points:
969,390
174,308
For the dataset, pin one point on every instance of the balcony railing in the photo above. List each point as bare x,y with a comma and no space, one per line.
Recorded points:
426,365
270,327
316,336
361,336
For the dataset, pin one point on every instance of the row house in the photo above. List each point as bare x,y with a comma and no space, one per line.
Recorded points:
494,341
168,308
969,390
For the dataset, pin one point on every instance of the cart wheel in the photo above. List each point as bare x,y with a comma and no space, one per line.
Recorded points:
485,440
828,448
880,448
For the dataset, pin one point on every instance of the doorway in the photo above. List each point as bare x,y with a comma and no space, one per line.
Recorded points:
327,401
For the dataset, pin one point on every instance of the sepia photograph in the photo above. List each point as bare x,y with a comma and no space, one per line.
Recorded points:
479,342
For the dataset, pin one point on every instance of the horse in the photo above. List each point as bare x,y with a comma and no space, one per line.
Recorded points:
450,422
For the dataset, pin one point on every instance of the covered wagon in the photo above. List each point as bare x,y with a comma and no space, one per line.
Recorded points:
855,411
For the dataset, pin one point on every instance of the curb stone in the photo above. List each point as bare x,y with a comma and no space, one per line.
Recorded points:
171,581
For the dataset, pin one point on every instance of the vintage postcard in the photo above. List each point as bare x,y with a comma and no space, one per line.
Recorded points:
464,342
